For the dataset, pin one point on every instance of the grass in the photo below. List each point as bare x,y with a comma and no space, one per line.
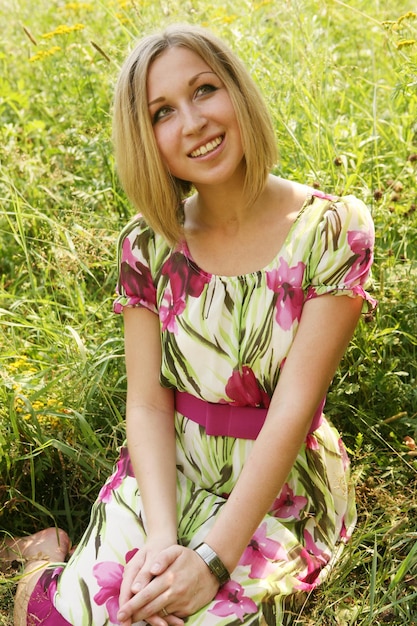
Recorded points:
341,82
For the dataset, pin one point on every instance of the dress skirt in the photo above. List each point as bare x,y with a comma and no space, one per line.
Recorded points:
291,552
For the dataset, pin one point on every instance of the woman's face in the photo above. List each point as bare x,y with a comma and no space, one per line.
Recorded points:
193,118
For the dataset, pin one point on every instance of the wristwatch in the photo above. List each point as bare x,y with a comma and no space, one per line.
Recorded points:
213,562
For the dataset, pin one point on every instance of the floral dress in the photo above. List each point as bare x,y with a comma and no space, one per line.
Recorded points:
224,340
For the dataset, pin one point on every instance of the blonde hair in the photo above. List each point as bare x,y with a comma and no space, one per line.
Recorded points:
144,176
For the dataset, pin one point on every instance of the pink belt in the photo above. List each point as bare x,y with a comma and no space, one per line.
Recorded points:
227,420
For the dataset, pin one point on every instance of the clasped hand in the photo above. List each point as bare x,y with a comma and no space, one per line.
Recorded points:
174,580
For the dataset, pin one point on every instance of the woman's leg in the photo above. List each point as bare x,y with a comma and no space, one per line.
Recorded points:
36,551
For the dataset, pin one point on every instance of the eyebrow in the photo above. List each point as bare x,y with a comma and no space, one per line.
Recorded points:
190,84
194,78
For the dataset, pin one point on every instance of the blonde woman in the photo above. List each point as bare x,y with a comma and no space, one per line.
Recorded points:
240,292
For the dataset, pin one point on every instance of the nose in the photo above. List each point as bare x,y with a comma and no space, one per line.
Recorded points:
193,119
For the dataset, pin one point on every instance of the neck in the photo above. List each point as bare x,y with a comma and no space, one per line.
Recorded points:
221,208
217,210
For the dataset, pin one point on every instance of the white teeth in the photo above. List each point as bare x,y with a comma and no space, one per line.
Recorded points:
207,148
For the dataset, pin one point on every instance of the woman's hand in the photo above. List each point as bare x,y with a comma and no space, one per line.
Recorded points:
177,582
137,571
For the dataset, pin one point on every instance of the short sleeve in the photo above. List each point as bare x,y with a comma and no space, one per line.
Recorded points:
342,253
135,251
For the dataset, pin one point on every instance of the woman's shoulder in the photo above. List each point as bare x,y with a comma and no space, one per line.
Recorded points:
348,210
143,238
137,226
300,199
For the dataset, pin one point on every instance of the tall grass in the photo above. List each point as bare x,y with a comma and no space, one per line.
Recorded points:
341,82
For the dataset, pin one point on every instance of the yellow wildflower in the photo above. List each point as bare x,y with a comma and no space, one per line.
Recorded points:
405,43
53,402
18,364
55,422
49,421
19,404
43,54
37,405
228,19
407,16
259,5
78,6
122,18
62,29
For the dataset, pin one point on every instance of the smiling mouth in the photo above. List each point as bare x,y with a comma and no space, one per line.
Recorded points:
208,147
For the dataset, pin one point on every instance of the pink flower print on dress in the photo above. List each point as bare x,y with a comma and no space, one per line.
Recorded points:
344,534
287,505
184,280
260,553
287,282
135,278
311,442
169,310
324,196
343,454
244,390
109,576
361,244
316,559
230,600
49,581
123,468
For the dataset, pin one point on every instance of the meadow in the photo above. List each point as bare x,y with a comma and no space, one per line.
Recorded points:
341,82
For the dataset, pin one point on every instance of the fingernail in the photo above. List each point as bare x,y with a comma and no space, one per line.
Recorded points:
121,617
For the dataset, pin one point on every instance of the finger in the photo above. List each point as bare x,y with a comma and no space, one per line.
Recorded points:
173,620
156,620
147,600
165,559
159,565
125,592
166,620
145,604
129,575
141,579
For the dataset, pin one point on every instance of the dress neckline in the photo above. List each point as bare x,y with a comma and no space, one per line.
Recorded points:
307,202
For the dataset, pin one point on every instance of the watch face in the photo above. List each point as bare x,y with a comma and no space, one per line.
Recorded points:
216,568
213,562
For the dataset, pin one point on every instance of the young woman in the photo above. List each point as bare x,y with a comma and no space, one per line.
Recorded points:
240,292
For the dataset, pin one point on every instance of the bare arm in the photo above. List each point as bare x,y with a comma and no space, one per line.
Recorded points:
151,443
150,424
